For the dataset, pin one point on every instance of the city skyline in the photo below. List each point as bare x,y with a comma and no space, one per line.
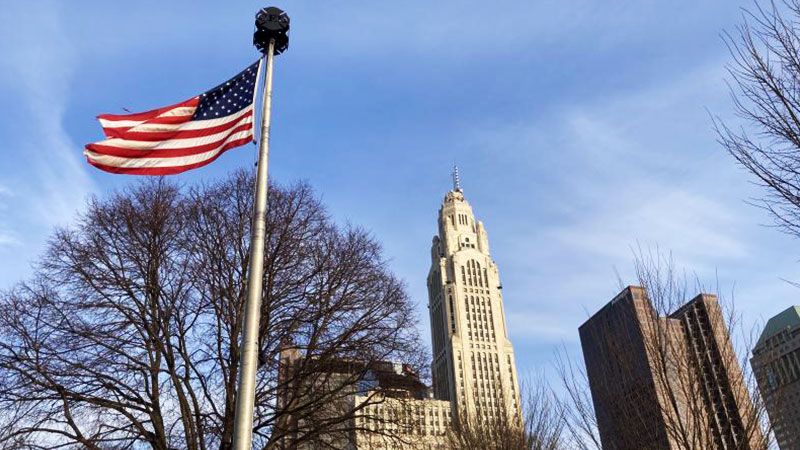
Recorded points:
535,158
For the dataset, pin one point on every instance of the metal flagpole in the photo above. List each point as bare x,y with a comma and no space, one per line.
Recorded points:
272,24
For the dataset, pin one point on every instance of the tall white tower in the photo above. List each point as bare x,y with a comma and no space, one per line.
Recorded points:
473,360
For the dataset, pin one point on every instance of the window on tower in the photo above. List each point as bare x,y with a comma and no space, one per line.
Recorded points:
452,315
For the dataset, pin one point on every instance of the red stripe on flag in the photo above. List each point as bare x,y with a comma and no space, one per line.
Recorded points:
167,152
156,116
181,134
194,101
167,170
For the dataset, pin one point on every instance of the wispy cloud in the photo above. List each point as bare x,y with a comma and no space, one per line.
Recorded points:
7,237
637,168
49,183
468,29
537,325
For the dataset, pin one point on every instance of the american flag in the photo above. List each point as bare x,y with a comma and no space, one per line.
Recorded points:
177,138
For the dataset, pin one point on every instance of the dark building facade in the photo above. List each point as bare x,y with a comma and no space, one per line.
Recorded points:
666,382
776,363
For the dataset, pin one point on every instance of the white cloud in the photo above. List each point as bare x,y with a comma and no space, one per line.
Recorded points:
610,174
41,64
48,177
538,326
7,237
641,188
476,30
692,225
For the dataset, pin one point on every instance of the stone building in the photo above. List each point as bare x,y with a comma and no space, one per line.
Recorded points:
418,423
658,381
776,363
473,360
378,405
474,371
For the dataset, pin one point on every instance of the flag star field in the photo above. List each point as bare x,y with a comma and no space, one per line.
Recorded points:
229,97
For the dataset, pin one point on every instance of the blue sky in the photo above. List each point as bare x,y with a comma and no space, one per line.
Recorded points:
580,128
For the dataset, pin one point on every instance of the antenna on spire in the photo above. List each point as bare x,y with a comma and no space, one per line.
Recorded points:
456,179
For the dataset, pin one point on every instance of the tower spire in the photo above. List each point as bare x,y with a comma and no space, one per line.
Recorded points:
456,179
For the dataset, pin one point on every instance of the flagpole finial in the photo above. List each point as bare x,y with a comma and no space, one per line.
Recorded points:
271,24
456,179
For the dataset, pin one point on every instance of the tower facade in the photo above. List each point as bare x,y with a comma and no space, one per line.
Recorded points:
473,360
776,362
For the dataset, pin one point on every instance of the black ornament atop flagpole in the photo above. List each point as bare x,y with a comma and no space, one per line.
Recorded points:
271,23
270,38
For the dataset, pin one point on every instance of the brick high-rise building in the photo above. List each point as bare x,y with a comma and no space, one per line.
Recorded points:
776,363
658,381
473,360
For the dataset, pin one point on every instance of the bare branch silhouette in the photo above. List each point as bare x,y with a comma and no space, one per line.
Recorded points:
129,333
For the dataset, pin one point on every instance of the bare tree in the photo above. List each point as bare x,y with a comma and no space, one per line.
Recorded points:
765,73
128,335
542,427
580,421
663,370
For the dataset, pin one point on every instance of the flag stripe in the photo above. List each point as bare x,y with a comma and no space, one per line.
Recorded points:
119,132
124,125
180,132
132,163
193,102
179,117
194,124
116,126
169,170
171,152
167,144
167,120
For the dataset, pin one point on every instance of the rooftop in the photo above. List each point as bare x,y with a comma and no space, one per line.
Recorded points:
392,377
789,318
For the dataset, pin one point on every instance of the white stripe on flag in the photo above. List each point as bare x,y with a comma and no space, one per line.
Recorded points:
173,143
118,161
193,125
174,112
